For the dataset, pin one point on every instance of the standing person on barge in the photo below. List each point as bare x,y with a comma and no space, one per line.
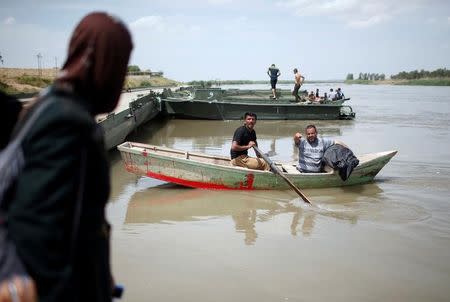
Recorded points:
298,83
273,73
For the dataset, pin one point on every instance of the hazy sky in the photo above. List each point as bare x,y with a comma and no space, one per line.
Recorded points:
239,39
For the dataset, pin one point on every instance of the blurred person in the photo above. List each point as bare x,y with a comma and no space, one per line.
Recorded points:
339,94
55,210
11,108
332,95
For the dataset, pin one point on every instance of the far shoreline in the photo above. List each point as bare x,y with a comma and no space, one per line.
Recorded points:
412,82
416,82
26,82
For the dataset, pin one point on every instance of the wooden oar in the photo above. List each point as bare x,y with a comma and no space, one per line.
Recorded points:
276,170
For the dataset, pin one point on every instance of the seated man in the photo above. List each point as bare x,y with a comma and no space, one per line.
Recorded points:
311,150
332,95
339,94
244,138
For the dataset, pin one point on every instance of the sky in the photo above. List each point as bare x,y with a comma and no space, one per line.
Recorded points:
238,39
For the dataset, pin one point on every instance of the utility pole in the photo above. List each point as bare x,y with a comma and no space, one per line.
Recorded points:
56,66
39,57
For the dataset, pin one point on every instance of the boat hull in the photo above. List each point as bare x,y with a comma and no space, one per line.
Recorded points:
213,172
231,104
117,126
234,110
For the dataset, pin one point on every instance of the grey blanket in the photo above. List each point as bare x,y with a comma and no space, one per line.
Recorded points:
341,158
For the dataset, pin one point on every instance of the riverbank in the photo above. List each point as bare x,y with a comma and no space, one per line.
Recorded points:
413,82
24,82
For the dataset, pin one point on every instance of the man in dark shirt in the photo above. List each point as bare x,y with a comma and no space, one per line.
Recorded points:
273,73
244,138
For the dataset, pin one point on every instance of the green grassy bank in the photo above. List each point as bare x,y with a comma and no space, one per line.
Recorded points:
25,82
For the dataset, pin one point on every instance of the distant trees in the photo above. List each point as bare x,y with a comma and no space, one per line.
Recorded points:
404,75
210,83
201,84
371,76
438,77
133,68
415,74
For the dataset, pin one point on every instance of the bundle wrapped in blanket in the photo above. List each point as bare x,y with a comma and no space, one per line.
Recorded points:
341,158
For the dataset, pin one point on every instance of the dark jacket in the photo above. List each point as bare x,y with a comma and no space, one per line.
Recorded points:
341,158
41,205
10,108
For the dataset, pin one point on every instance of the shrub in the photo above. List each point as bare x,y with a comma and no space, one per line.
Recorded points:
5,88
34,81
145,84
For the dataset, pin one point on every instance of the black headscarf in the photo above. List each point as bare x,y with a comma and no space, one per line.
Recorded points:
97,60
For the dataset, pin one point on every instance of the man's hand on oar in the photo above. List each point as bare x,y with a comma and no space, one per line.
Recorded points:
276,170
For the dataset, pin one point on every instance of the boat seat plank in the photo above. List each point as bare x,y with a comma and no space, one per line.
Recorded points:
291,169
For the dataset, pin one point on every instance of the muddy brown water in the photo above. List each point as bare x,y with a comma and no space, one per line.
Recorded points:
388,240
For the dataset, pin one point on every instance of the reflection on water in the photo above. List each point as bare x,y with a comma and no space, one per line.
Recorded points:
169,204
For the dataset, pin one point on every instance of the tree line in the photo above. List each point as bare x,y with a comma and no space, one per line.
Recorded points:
367,76
415,74
404,75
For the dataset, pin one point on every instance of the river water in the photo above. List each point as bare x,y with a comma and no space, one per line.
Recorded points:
388,240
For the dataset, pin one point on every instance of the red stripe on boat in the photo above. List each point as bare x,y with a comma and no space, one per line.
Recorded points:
202,185
248,184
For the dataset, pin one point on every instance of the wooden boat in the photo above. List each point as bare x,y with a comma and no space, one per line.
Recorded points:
199,170
219,104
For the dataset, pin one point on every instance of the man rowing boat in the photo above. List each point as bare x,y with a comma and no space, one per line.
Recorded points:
244,138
